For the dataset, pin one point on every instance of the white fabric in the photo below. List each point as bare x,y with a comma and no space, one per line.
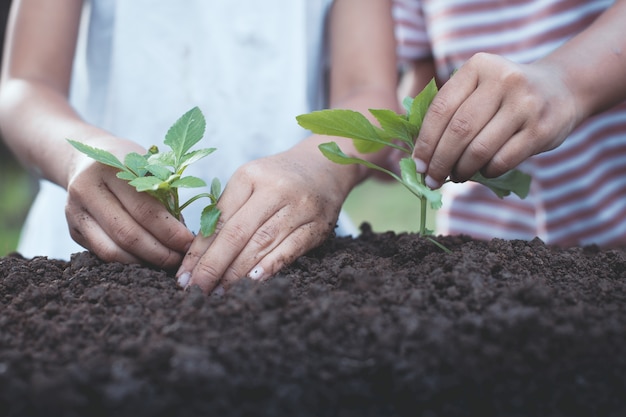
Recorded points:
250,66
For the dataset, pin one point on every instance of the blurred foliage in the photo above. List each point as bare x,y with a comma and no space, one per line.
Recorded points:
17,190
386,206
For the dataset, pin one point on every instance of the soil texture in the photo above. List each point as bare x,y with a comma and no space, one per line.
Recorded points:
379,325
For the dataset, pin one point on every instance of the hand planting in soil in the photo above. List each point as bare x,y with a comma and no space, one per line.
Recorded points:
160,174
398,131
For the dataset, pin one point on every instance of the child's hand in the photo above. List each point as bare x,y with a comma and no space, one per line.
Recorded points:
116,223
274,209
490,116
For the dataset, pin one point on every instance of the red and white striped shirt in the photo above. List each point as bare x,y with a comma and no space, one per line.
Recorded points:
578,192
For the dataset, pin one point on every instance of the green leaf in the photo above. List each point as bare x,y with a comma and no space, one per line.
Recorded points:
194,156
396,126
407,103
208,220
185,132
514,181
416,185
148,184
216,188
344,123
163,158
136,163
159,171
420,104
100,155
126,175
332,151
188,182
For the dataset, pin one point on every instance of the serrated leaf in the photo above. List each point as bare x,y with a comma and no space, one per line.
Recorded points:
208,220
420,104
126,175
185,133
148,184
396,126
160,172
163,158
514,181
344,123
194,156
332,151
100,155
412,182
188,182
136,163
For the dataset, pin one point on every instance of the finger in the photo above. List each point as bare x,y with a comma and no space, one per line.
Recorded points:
128,235
510,155
233,200
277,242
230,242
154,218
444,105
288,250
485,147
469,120
87,232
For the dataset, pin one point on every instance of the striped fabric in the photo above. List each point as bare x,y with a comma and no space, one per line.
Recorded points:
578,193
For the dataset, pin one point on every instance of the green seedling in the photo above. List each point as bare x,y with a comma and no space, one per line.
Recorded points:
398,131
160,174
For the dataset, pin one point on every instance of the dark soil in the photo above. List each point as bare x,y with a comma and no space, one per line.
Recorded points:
382,325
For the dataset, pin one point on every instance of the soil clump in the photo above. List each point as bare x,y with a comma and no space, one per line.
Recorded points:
380,325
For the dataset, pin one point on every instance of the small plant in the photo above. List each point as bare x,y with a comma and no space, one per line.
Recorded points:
160,174
398,131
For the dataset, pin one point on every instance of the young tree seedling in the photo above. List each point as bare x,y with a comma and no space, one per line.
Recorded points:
160,174
398,131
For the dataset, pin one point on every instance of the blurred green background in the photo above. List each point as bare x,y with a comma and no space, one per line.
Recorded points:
386,206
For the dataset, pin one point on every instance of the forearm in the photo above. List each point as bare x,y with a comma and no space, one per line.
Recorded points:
36,120
593,63
364,70
35,115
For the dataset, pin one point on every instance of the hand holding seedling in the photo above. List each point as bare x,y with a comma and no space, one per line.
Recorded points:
116,223
397,131
492,115
130,218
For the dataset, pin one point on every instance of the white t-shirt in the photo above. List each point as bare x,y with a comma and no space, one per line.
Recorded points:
250,66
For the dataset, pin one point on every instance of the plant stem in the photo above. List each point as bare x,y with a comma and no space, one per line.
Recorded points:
177,208
194,198
423,211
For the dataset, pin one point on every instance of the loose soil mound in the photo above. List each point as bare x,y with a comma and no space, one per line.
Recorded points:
381,325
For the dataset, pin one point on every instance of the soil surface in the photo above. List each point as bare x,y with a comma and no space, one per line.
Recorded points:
380,325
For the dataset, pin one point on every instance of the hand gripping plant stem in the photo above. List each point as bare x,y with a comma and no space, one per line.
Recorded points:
398,131
160,174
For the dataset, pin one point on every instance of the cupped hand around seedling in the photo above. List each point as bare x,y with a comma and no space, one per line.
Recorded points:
116,223
492,115
159,175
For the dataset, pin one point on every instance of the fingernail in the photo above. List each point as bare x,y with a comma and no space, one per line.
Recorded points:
431,182
420,166
183,279
256,273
